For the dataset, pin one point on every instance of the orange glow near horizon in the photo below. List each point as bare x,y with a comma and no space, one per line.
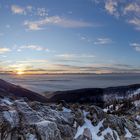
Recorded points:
20,73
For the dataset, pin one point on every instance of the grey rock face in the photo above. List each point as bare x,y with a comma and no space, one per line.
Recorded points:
26,120
48,130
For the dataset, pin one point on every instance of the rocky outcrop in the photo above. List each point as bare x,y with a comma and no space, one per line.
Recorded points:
32,120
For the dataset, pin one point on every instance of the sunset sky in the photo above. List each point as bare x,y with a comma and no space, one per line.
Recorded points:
64,36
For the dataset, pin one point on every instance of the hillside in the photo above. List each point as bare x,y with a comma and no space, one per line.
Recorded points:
26,115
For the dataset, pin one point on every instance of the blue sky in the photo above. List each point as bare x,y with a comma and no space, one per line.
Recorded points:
98,36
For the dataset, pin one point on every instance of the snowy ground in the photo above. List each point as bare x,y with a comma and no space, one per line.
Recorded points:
94,129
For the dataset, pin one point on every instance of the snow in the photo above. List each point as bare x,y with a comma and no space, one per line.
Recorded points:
11,117
136,92
128,134
137,102
117,135
30,137
109,130
110,108
138,125
105,109
138,117
93,129
6,101
66,110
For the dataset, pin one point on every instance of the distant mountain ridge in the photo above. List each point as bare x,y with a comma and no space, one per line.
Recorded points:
13,91
97,96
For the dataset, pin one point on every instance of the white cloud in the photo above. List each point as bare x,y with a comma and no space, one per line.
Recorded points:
136,46
85,38
58,21
33,61
129,11
32,47
132,7
4,50
32,25
29,10
75,56
135,22
18,10
111,7
132,12
102,41
41,12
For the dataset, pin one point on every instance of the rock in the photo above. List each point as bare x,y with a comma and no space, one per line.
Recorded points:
87,134
67,132
79,117
29,116
114,135
39,121
11,117
48,130
108,137
81,137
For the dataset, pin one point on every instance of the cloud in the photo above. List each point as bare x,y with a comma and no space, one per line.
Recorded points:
34,66
4,50
102,41
136,22
111,7
42,12
129,11
85,38
136,46
32,47
18,10
132,7
29,10
57,21
72,56
33,61
110,68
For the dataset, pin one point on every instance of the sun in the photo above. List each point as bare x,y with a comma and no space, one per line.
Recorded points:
20,72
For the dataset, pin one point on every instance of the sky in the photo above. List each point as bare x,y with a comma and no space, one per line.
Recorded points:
69,36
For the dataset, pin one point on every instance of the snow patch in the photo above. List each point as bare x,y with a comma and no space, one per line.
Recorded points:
6,101
136,92
11,117
138,125
128,134
30,137
137,103
66,110
93,129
